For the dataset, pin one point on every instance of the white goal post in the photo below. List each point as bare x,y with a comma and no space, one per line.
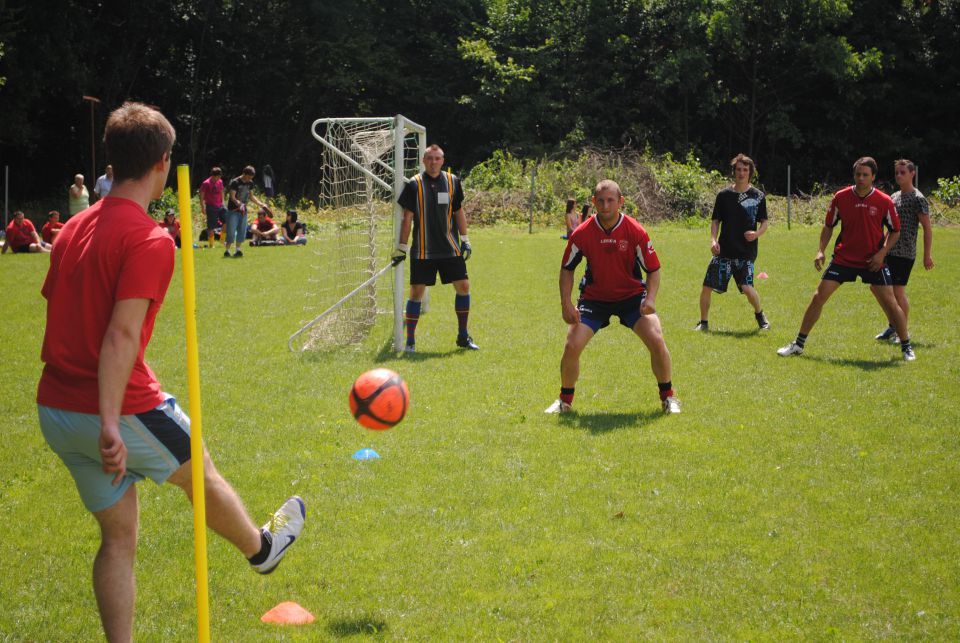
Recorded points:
366,163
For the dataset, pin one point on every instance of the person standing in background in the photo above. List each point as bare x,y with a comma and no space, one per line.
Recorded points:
104,183
79,197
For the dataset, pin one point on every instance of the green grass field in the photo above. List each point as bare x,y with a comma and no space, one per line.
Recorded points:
803,498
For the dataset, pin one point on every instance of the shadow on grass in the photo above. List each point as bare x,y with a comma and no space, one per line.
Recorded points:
598,423
387,354
344,627
736,334
862,364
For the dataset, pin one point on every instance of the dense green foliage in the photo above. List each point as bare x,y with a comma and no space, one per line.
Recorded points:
813,84
814,498
948,191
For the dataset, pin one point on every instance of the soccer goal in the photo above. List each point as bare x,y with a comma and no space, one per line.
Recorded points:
366,162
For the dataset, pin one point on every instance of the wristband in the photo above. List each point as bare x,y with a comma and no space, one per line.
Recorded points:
464,238
403,247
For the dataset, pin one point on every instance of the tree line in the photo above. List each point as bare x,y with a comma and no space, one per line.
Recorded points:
808,83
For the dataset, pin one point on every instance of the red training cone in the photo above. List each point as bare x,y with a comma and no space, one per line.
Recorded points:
288,613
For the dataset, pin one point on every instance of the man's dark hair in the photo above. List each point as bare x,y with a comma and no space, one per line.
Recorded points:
249,171
136,137
53,213
216,171
866,161
293,215
743,158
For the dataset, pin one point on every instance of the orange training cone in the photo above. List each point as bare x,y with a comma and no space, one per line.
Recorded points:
288,613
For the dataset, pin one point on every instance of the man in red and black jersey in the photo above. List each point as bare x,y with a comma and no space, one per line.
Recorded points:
432,203
618,251
869,227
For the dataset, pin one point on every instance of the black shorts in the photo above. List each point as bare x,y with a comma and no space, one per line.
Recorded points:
721,269
423,272
216,216
596,314
23,248
900,268
843,274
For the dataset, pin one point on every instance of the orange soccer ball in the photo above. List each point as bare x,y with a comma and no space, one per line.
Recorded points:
379,399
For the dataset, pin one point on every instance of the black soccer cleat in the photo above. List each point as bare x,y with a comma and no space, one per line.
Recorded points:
465,341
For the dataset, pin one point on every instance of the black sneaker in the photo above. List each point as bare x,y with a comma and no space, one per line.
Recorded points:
886,335
702,326
465,341
226,254
238,254
762,322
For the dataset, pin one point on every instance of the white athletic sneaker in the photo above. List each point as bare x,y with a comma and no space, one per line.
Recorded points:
559,406
909,355
790,349
671,405
282,530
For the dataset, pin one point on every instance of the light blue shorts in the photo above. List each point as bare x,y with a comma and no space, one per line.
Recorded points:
157,442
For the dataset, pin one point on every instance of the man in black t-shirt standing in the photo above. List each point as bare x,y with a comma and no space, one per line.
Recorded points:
740,216
432,203
241,192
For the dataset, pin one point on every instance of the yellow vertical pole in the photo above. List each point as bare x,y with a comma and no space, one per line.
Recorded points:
193,385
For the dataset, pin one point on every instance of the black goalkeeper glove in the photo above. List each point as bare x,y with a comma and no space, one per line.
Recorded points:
465,249
399,253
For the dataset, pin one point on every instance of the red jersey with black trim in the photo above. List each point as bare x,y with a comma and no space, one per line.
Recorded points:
863,220
615,258
107,253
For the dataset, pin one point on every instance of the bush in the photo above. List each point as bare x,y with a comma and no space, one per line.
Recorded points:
166,201
654,188
948,191
689,189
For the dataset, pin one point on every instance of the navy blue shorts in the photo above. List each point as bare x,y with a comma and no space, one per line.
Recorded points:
900,268
843,274
596,314
216,216
721,269
423,272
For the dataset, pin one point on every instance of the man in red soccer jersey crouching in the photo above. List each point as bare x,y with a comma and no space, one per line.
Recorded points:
617,248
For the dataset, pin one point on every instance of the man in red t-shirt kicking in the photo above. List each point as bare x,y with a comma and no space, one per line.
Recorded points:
617,248
869,227
101,407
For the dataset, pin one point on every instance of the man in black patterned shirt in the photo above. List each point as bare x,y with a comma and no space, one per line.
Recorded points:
914,212
432,203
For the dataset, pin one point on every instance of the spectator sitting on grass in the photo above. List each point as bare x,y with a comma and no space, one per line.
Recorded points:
171,225
265,231
51,228
293,232
22,236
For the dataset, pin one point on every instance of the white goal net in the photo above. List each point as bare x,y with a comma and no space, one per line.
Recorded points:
366,162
